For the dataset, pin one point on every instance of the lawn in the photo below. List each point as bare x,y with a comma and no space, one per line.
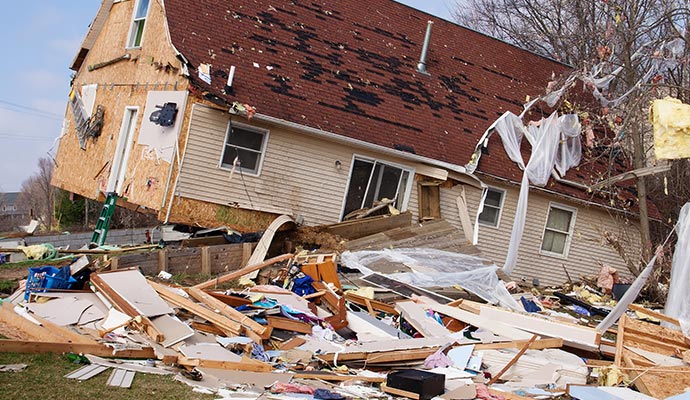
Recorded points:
44,379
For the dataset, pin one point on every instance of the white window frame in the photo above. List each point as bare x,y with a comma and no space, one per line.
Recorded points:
125,141
500,208
262,156
571,229
408,189
133,25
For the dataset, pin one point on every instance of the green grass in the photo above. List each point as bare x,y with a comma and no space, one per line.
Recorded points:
44,379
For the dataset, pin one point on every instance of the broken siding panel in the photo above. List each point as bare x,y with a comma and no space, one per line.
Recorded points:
586,247
299,174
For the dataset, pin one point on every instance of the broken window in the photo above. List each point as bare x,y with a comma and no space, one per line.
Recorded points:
244,148
141,9
493,204
372,181
558,230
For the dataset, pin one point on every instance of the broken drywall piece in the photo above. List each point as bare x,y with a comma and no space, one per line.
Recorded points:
606,393
115,319
172,328
63,311
417,316
161,140
461,355
132,286
209,351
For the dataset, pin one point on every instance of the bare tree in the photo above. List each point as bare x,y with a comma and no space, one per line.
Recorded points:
38,195
627,52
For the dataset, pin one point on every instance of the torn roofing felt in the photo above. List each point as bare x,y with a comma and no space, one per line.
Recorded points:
349,67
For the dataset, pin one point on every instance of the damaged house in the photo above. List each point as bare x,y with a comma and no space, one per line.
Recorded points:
213,113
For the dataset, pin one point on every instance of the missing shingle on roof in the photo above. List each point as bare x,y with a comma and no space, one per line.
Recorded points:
499,73
353,109
462,61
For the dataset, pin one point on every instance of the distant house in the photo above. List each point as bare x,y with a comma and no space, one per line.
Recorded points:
12,214
216,113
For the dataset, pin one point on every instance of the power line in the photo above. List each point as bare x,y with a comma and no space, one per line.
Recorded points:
36,113
9,103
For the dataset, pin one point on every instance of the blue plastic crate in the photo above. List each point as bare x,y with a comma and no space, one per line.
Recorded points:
42,278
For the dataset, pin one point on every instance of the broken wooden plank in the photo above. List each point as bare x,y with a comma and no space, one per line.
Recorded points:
375,304
573,335
402,288
97,349
335,303
399,392
246,364
499,328
539,344
292,343
330,377
241,272
654,314
288,324
249,324
512,361
416,316
227,325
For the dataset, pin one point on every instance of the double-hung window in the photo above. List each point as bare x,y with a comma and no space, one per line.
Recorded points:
558,231
372,180
244,148
141,9
491,213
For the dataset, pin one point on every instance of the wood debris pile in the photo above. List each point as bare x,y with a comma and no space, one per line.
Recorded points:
315,332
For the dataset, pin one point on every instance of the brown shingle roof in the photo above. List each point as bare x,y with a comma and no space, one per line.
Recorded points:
349,67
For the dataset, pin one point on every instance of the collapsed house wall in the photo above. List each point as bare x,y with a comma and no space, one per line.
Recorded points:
122,84
587,247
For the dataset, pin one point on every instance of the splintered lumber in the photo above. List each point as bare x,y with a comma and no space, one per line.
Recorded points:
655,338
387,350
654,314
292,343
399,392
15,326
539,344
232,301
573,335
228,326
512,361
499,328
416,316
97,349
370,303
288,324
330,377
241,272
246,364
121,304
247,323
335,303
660,382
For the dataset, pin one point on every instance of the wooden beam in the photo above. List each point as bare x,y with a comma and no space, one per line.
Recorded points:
249,324
292,343
97,349
205,260
654,314
547,343
241,272
247,364
162,260
399,392
225,324
329,377
512,361
375,304
288,324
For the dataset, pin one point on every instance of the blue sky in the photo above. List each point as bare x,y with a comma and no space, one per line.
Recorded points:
41,39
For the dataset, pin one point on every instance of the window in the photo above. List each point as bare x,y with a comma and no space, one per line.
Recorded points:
244,148
141,8
491,214
558,230
372,181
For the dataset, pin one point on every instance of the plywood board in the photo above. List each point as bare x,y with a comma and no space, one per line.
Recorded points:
132,286
416,316
572,335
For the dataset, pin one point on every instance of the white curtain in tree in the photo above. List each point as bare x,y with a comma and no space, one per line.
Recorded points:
555,144
678,301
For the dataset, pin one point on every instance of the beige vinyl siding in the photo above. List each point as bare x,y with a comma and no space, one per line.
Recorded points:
587,247
298,176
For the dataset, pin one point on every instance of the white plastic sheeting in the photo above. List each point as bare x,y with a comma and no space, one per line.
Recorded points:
678,301
432,267
555,144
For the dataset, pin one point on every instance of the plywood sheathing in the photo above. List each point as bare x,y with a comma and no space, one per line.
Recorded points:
120,85
199,213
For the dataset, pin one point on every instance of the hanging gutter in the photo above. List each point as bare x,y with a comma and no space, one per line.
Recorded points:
360,143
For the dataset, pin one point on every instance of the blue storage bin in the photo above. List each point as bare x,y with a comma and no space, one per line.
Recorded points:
42,278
